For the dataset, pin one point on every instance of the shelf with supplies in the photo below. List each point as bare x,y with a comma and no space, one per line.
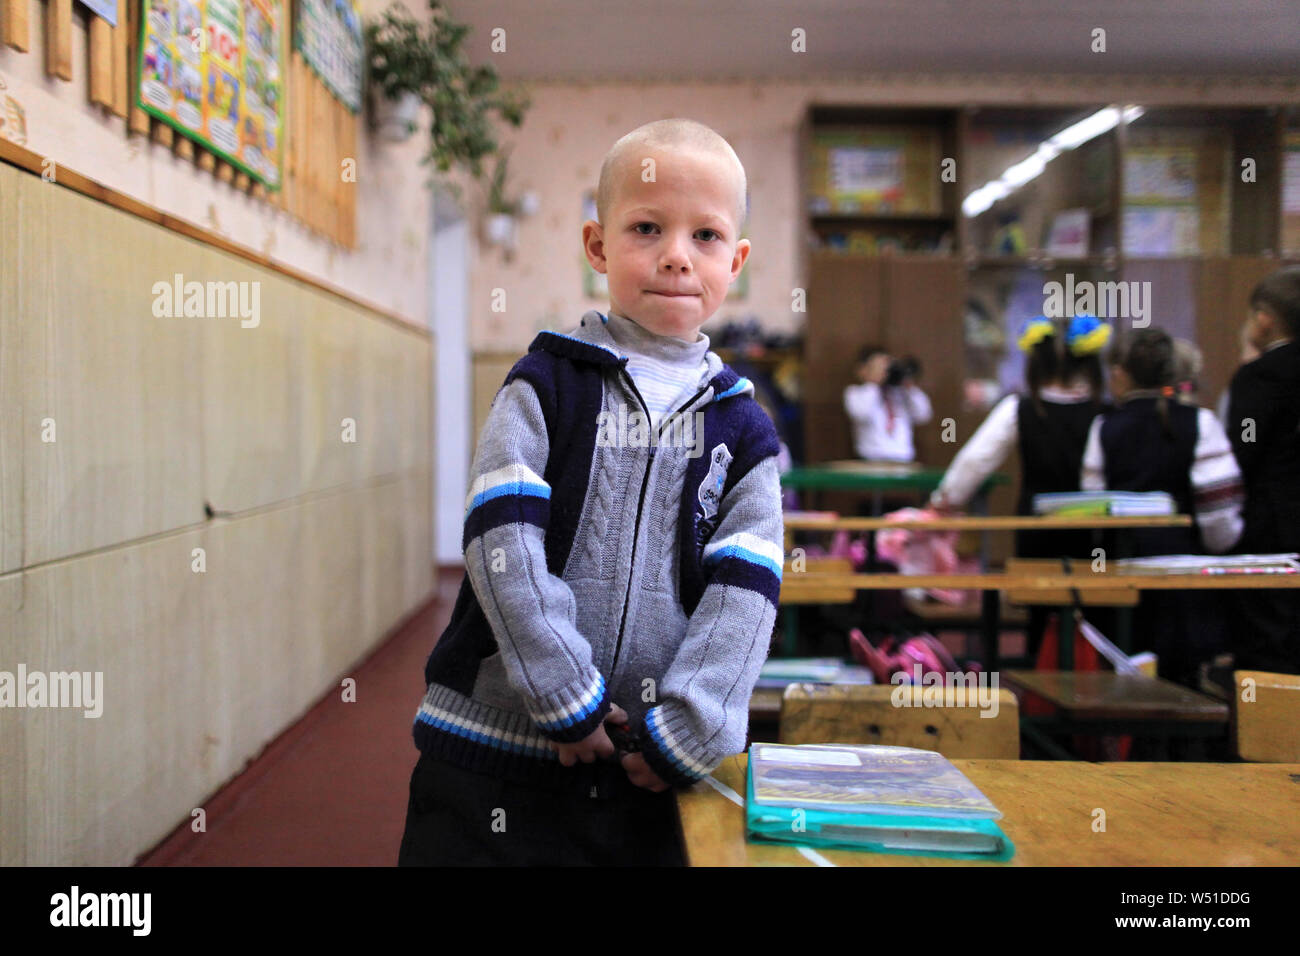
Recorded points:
1069,182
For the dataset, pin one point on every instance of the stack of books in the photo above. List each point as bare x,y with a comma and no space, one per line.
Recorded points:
1212,564
883,799
814,670
1097,503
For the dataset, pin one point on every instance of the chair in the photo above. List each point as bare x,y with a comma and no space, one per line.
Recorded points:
796,588
1102,702
897,716
1266,729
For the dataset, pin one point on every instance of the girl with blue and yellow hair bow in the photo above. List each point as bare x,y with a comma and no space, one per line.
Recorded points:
1048,424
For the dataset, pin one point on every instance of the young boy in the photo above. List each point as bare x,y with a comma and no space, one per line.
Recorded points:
623,549
1264,424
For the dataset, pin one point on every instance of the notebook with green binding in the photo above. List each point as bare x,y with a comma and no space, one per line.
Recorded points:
881,799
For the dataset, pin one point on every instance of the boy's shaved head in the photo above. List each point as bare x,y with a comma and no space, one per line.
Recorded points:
626,155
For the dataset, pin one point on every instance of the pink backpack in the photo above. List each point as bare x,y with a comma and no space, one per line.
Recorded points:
922,552
892,658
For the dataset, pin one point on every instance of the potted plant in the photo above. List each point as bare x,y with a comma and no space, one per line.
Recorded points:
398,53
427,59
501,210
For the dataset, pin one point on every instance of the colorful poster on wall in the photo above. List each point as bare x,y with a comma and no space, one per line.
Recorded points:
1291,174
211,70
874,171
1161,214
328,33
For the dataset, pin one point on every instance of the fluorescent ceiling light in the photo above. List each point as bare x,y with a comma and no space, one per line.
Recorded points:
1015,176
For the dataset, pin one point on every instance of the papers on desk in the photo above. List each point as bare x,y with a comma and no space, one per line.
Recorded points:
1097,503
882,799
1288,563
817,670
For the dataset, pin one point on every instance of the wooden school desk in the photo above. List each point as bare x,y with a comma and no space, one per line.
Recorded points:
796,590
1084,582
1156,814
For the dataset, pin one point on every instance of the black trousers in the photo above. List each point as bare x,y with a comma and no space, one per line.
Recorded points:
1266,631
457,817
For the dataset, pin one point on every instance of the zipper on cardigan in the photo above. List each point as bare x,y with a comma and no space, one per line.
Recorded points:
636,528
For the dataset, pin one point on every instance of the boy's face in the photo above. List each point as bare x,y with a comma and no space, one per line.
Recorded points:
1120,382
1261,328
670,247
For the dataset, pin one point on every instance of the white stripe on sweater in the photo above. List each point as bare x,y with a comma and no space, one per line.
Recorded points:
503,476
758,547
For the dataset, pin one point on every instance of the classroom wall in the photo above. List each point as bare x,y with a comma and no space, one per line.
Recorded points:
389,266
317,547
569,128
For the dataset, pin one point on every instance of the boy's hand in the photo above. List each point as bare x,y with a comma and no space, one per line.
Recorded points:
639,772
596,744
942,505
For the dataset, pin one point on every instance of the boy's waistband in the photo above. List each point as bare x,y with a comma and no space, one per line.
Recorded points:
479,737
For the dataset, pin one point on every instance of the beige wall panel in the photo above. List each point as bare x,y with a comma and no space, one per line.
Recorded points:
251,394
155,415
417,532
387,413
330,384
385,548
21,347
98,791
254,602
490,372
417,440
118,382
333,622
13,755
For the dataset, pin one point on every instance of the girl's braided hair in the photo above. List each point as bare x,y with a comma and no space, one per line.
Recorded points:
1147,355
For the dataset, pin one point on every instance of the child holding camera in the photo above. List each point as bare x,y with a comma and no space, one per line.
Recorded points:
885,405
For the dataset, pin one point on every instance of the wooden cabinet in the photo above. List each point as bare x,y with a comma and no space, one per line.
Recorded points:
908,305
845,312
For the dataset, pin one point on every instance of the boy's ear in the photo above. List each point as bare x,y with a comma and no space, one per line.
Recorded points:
738,261
593,244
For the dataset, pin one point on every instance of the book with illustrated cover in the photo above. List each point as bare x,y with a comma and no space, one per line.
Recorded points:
1098,503
1282,563
882,799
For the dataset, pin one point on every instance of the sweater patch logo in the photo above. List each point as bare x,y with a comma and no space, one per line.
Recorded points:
710,490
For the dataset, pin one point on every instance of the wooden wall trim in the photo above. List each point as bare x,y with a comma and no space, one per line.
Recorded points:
31,162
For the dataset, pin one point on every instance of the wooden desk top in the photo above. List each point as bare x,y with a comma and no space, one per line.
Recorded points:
812,521
1157,814
1101,695
765,703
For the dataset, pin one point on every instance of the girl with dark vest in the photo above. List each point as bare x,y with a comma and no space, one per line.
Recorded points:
1152,442
1049,425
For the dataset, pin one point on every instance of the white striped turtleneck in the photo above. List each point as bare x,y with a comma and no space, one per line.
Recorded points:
667,370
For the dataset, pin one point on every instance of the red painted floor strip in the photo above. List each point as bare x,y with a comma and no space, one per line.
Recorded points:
332,789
